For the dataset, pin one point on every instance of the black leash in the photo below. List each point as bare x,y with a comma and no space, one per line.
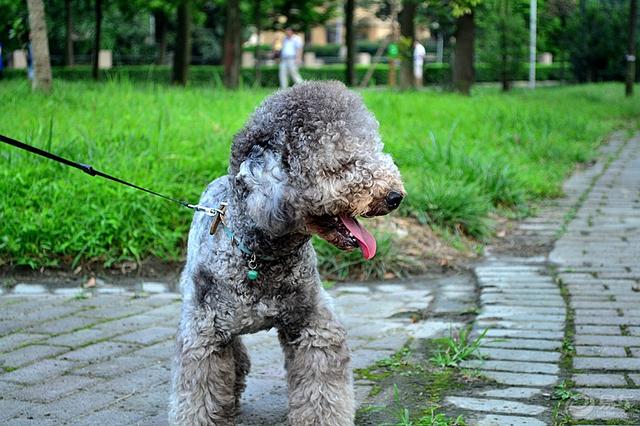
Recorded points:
93,172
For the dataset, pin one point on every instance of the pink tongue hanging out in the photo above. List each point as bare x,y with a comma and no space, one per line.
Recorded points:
365,240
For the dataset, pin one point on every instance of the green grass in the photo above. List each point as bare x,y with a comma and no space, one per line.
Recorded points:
456,348
431,419
462,158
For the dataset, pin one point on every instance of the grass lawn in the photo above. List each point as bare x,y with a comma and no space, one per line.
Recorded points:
462,158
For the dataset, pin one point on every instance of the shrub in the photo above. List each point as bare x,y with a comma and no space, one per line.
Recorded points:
263,48
322,51
370,47
212,74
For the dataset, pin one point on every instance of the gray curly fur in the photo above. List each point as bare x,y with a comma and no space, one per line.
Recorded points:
307,152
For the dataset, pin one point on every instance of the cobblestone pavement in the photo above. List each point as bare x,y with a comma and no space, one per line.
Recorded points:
70,357
569,321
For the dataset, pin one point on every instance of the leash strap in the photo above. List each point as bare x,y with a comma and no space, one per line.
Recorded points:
93,172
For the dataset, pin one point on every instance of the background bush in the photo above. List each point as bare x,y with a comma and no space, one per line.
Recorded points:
212,74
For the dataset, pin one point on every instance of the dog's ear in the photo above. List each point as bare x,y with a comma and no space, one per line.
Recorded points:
266,191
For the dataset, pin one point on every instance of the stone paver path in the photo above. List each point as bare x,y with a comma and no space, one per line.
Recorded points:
570,319
599,264
70,359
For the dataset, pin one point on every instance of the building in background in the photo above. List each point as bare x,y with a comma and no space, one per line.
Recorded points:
368,27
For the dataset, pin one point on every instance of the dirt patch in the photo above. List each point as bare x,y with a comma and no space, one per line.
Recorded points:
511,241
418,241
125,274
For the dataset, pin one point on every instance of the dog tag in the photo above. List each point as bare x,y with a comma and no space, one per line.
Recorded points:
218,218
252,273
214,224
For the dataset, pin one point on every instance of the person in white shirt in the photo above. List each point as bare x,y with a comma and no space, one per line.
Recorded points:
290,56
418,62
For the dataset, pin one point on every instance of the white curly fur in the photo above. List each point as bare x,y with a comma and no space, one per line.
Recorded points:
307,151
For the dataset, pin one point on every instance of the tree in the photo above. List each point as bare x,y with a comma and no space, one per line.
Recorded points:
463,72
631,48
301,15
406,18
598,41
182,53
562,10
503,41
350,38
96,44
438,17
161,24
257,22
14,28
40,46
68,46
465,33
232,44
161,11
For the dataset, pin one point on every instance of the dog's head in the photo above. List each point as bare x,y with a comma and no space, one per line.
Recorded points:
310,160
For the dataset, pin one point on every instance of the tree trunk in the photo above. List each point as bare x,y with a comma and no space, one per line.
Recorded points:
350,39
464,53
161,23
631,48
563,49
504,59
182,54
40,46
406,17
95,73
232,53
68,51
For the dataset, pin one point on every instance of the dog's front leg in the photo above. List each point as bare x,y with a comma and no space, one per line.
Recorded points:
319,375
203,386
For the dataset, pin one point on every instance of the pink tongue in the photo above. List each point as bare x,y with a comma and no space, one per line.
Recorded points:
365,240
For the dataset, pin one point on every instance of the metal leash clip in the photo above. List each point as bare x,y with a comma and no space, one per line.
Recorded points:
206,210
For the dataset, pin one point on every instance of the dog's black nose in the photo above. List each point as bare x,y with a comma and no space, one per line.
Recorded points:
393,199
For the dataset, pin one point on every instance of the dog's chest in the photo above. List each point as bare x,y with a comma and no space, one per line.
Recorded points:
255,316
263,308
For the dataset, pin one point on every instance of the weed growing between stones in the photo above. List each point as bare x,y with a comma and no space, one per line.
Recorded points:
457,348
564,392
630,407
408,389
397,363
81,295
8,283
431,419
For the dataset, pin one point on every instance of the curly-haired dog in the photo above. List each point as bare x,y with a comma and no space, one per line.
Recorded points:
308,162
